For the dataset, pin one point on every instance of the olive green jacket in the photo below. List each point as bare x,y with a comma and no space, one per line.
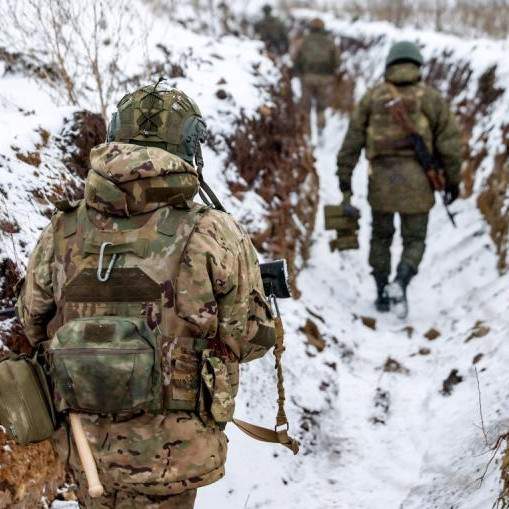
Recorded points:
316,53
397,182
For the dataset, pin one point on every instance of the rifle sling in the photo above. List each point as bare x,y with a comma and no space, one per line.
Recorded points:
424,157
279,435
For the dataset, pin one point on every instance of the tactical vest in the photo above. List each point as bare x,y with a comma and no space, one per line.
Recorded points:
385,137
141,286
317,54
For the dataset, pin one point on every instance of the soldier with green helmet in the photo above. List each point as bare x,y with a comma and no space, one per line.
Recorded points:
398,183
272,31
146,302
315,61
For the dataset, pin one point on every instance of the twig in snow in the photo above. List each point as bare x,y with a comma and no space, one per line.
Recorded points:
486,441
247,501
493,448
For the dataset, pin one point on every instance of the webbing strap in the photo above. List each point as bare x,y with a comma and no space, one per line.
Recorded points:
279,435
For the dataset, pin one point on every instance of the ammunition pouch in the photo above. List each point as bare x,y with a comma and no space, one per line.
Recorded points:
106,365
26,409
220,381
184,377
345,221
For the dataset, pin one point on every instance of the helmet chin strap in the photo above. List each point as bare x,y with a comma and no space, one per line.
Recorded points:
206,193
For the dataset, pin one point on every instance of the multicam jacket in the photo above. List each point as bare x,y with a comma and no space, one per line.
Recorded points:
191,272
397,183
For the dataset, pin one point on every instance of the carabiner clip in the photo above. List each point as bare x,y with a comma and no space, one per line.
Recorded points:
106,276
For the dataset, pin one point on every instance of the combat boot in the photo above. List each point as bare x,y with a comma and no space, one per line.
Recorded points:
382,302
396,291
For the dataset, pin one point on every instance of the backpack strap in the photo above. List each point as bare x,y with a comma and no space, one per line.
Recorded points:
279,435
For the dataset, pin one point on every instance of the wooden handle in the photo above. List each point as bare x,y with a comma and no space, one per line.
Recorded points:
95,488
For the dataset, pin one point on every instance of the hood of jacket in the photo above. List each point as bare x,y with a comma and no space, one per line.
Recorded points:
128,179
402,74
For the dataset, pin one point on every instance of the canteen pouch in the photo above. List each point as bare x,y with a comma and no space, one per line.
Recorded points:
26,408
106,365
217,393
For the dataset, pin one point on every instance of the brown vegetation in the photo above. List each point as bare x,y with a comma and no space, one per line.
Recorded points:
81,133
274,158
471,111
486,17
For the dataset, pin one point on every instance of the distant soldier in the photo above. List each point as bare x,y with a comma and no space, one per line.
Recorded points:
272,32
152,300
397,181
315,61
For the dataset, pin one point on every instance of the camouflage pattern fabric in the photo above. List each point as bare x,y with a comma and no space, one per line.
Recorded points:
397,182
317,87
151,455
191,272
273,33
413,232
127,500
316,53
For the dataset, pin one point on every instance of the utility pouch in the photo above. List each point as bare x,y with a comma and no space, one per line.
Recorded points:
218,386
106,365
26,407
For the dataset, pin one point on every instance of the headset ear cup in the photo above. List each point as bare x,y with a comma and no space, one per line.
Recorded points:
112,128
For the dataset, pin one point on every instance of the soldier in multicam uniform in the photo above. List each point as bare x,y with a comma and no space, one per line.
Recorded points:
272,32
138,250
397,183
315,60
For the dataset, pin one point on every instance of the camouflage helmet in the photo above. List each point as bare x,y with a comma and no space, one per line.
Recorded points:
316,24
160,116
404,51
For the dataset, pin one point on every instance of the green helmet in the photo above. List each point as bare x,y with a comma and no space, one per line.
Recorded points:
160,116
404,51
267,9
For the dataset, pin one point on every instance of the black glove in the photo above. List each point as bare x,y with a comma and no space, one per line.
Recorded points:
345,187
452,192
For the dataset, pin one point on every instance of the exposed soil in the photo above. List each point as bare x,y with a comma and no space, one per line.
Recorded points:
27,474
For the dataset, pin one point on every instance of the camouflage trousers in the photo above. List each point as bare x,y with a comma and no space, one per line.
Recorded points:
127,500
317,88
413,232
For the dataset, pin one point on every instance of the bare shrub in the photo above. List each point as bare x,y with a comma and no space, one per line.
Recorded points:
462,17
81,43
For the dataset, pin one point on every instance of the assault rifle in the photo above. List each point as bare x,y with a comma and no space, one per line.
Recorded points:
435,174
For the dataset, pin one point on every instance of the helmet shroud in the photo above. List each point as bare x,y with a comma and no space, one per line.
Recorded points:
160,117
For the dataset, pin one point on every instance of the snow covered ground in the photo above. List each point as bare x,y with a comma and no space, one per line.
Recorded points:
382,439
370,438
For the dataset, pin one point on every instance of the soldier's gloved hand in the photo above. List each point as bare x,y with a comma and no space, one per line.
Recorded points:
345,187
347,208
452,192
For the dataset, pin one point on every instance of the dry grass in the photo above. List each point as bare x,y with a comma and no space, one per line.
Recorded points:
465,17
